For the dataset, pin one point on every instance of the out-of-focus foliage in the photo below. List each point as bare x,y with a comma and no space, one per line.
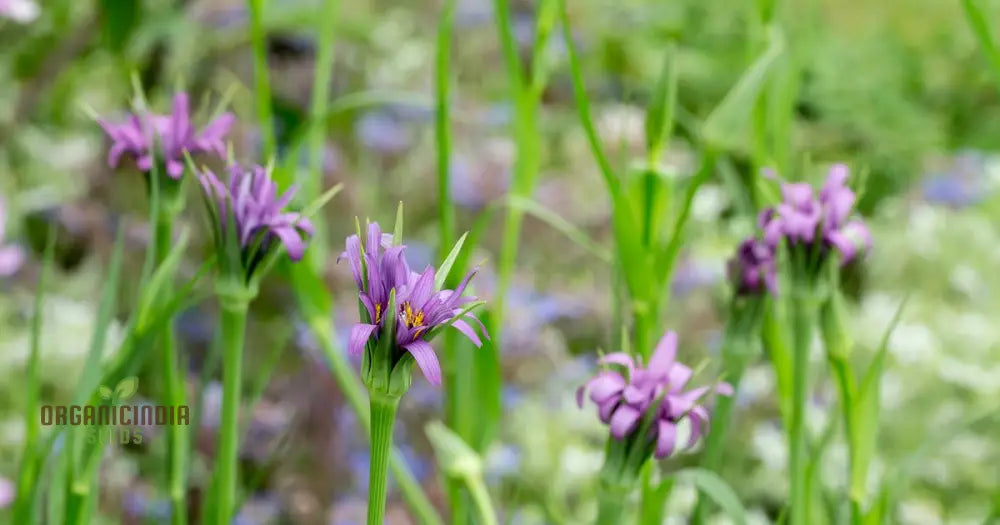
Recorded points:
899,90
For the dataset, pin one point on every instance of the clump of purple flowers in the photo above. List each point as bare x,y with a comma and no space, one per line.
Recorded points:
630,393
820,225
379,268
260,221
11,256
139,135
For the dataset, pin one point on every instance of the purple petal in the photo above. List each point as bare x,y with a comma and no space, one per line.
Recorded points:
353,255
624,421
618,358
605,386
426,360
422,289
679,375
699,419
605,409
292,240
666,438
374,238
467,330
360,333
664,355
11,259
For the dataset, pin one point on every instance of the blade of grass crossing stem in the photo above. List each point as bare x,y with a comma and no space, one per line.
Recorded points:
445,269
578,236
442,133
583,107
262,82
710,484
317,127
25,506
980,23
92,365
317,308
725,127
865,413
660,114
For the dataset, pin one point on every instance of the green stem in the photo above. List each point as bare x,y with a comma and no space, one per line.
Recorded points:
234,318
262,83
173,393
735,352
446,210
323,73
610,507
803,315
25,505
481,498
383,415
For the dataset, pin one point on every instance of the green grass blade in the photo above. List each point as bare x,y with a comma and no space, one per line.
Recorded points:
726,126
660,114
92,366
865,411
442,133
717,490
323,72
578,236
445,268
583,108
980,23
27,484
262,82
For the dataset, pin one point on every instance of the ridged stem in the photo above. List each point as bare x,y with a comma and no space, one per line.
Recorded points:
173,394
234,317
803,315
383,416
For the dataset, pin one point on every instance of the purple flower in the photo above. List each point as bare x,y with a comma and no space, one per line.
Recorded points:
754,269
11,257
261,222
378,268
655,391
802,219
137,136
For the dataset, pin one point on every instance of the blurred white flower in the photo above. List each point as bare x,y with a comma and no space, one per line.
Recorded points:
22,11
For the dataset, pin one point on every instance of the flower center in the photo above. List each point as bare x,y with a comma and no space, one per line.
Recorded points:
378,313
412,318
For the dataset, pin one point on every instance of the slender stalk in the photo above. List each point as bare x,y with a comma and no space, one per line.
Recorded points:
262,83
173,385
322,75
481,498
610,507
234,318
25,505
442,133
735,352
383,416
803,315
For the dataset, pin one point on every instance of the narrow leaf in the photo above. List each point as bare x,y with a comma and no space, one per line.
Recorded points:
445,268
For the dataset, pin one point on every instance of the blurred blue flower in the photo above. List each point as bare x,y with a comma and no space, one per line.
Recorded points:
384,132
692,275
963,183
137,504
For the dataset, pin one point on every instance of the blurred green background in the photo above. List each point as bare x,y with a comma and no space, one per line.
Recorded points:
899,90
